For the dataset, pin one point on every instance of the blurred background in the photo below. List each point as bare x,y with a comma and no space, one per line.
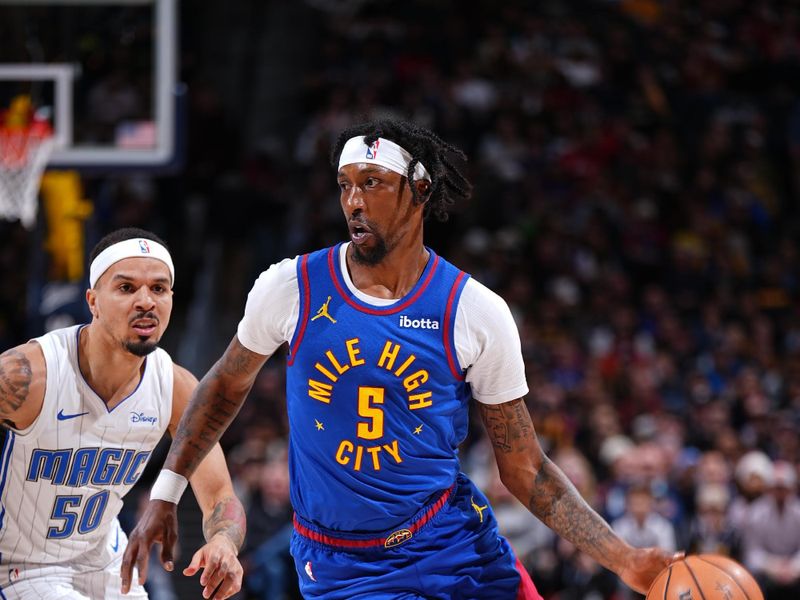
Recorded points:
636,203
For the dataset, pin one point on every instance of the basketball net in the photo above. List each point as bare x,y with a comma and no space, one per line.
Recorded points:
25,147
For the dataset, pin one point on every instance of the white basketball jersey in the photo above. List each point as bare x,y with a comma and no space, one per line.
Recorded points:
63,478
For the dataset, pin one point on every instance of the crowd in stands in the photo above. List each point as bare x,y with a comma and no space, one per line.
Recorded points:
635,203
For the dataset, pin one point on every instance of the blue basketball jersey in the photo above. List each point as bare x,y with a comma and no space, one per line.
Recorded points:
377,401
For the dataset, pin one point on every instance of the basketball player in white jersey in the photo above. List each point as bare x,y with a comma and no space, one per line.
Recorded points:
84,407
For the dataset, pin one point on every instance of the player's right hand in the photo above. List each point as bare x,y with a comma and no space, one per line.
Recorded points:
643,565
158,524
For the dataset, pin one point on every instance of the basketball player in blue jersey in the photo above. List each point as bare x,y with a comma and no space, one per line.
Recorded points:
83,408
388,343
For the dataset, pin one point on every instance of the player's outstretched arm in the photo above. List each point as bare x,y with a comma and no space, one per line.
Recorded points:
22,384
212,407
544,489
224,526
224,520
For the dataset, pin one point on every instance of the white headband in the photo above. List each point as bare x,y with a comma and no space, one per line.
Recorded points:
133,248
382,152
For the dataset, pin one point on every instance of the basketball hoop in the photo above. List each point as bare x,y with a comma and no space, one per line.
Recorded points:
24,152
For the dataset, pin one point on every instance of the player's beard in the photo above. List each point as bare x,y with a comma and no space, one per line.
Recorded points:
146,343
141,348
374,254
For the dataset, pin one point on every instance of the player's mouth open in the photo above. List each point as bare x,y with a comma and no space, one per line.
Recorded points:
144,326
359,233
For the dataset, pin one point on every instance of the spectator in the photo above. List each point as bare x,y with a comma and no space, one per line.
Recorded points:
771,536
266,555
619,454
710,531
642,526
753,478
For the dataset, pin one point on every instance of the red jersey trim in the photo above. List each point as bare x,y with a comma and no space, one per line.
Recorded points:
328,540
449,350
526,590
390,310
306,308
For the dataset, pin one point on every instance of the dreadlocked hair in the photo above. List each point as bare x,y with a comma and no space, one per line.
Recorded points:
448,183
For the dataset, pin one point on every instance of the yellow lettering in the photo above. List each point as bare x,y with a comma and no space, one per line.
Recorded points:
359,454
389,355
327,373
394,450
412,382
420,400
375,462
339,368
372,429
353,352
353,455
405,365
344,446
320,391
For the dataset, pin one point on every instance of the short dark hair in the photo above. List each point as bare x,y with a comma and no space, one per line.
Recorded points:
120,235
448,183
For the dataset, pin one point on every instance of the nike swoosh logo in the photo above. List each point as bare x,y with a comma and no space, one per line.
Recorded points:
116,542
62,417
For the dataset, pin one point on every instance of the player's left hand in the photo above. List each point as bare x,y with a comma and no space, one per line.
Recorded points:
643,566
158,524
222,572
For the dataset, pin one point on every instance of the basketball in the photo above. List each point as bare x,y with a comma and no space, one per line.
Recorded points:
705,576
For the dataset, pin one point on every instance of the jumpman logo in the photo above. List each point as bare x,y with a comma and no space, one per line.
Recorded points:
323,312
478,509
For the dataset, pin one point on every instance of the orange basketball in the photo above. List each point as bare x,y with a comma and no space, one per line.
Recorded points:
705,576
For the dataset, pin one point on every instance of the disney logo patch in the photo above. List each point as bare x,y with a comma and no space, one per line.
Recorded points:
143,418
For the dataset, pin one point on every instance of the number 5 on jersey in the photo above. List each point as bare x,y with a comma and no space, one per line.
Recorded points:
367,398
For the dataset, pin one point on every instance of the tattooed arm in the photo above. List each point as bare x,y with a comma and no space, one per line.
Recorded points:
223,514
226,519
223,527
23,375
544,489
213,406
195,454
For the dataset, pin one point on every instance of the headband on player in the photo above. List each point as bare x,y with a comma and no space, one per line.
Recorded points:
133,248
382,152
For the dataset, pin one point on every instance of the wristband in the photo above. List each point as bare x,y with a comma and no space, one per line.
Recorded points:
169,486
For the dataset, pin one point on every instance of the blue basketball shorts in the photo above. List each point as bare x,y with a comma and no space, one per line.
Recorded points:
450,550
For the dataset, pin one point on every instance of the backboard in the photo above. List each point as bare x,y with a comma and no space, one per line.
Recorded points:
103,70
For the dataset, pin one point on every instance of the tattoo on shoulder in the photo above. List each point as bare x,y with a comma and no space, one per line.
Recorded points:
508,424
15,380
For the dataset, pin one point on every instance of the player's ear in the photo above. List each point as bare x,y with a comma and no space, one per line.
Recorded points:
423,188
91,301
